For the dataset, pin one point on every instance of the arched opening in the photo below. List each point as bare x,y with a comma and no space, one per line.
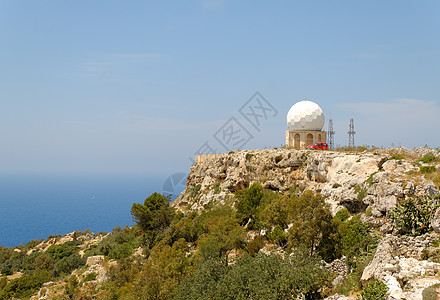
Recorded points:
309,139
319,138
296,141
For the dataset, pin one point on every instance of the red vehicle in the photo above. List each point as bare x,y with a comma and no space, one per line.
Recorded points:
318,146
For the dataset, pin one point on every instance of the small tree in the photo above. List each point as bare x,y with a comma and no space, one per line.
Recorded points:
154,216
248,202
311,221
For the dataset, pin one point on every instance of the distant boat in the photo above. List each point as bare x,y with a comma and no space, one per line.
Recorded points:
93,197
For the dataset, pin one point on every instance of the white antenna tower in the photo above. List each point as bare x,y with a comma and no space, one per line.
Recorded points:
351,134
330,134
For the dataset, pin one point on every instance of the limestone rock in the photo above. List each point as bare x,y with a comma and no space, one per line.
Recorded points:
435,222
95,260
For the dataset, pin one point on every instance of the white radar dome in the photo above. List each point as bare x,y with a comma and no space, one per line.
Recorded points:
305,116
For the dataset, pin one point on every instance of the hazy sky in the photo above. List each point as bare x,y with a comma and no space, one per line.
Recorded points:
140,86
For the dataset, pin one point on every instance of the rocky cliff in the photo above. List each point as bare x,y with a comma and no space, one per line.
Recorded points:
372,182
375,179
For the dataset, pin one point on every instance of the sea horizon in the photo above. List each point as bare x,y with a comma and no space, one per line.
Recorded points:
35,206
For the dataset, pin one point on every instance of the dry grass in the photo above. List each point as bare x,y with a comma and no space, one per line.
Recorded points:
434,177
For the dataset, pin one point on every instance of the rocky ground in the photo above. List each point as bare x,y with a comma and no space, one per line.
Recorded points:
371,182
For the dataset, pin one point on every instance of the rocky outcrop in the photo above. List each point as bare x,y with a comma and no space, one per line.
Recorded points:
352,180
398,262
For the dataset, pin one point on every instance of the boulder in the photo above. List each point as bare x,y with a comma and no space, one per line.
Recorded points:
435,222
95,260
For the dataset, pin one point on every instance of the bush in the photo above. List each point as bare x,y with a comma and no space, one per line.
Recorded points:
355,239
254,246
61,251
7,272
278,158
89,277
249,156
427,169
119,244
248,202
375,290
342,215
194,190
24,286
428,158
67,264
221,233
217,187
277,236
397,157
312,223
414,216
260,277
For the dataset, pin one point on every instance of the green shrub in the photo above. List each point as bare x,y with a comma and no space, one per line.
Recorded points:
67,264
278,158
217,187
24,286
355,240
3,283
277,236
342,215
119,244
259,277
248,202
254,246
6,272
336,185
361,193
427,169
312,223
249,156
195,190
221,233
61,251
414,216
428,158
397,157
71,286
89,277
375,290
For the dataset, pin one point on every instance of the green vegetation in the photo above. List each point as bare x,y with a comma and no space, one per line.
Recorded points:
153,217
194,191
375,290
397,157
205,255
217,187
248,156
429,158
361,193
413,216
427,169
259,277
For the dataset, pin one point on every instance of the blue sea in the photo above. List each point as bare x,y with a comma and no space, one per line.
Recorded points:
36,206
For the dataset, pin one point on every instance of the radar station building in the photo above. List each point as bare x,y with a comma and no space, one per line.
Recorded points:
305,120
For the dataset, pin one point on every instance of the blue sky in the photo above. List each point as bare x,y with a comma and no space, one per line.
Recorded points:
140,86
